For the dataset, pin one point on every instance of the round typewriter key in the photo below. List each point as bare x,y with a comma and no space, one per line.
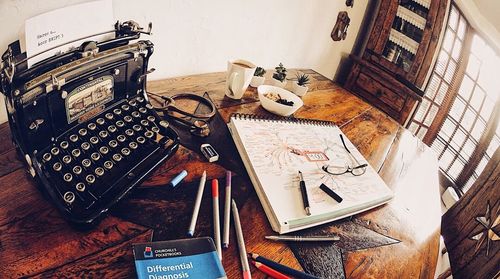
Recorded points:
151,118
46,157
91,126
104,150
112,128
117,111
109,115
113,143
148,134
121,138
77,170
127,118
129,132
73,138
69,197
132,145
155,129
103,134
68,177
54,151
144,122
76,153
90,178
117,157
149,106
94,140
125,107
64,144
164,124
120,123
85,146
57,166
95,156
137,128
141,140
86,163
108,165
140,99
132,103
99,171
136,114
100,121
66,159
143,110
82,132
125,151
80,187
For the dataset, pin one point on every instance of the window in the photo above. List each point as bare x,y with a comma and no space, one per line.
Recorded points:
458,116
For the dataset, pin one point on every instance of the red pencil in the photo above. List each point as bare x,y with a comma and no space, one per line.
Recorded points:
269,271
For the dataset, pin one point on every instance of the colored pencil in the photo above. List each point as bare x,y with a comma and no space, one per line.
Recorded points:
227,210
282,268
215,200
269,271
241,243
197,203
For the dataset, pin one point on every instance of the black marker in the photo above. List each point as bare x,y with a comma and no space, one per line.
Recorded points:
330,192
303,191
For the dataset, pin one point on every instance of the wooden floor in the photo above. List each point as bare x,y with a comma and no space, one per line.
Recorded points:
398,240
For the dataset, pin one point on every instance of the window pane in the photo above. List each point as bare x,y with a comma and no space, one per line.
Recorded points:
466,87
493,146
478,129
461,28
438,146
443,90
468,148
477,98
421,132
446,159
482,165
450,71
413,127
447,129
448,40
455,54
441,63
432,87
473,66
487,108
430,116
453,20
468,119
458,139
455,169
457,109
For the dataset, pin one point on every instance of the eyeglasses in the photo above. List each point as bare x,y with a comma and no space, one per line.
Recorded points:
359,169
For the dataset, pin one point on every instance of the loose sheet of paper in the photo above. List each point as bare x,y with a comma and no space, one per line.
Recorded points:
65,25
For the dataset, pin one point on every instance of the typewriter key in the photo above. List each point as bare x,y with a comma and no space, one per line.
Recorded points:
144,122
69,197
120,123
77,170
129,132
85,146
57,166
108,165
155,129
104,150
149,106
132,145
100,121
117,111
103,134
148,134
112,128
66,159
132,103
141,140
95,156
99,171
127,119
113,143
64,144
46,157
125,107
140,99
125,151
80,187
91,126
143,110
68,177
109,115
164,124
90,178
137,128
82,132
76,153
94,140
121,138
117,157
86,163
151,118
136,114
54,151
73,138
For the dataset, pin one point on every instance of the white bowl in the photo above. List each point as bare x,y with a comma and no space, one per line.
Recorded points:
278,108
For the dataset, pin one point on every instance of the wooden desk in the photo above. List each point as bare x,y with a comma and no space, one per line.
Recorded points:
397,240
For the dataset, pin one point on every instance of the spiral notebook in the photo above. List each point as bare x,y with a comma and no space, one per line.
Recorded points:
273,150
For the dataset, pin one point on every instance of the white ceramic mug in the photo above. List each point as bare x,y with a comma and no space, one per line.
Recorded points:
238,77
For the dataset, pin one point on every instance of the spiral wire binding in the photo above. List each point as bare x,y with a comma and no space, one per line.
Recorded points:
305,121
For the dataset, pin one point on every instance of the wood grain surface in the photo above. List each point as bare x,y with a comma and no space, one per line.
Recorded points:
397,240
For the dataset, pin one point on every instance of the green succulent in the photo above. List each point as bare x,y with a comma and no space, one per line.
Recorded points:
302,79
280,73
259,72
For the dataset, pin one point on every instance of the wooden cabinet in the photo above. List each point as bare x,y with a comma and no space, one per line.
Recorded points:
392,68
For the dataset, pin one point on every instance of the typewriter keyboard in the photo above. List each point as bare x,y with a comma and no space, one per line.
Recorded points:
101,156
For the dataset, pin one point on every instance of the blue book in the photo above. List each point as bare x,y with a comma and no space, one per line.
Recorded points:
178,259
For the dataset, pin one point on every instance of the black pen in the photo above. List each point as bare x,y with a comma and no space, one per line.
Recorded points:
303,191
330,192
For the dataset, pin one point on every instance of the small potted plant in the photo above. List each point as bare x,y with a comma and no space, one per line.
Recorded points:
279,76
258,77
300,86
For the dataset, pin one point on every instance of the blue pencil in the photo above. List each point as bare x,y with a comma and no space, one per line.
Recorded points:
282,268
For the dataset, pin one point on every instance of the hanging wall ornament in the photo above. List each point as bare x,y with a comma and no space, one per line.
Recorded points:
339,31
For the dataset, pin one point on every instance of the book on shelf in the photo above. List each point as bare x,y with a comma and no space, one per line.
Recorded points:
176,259
274,150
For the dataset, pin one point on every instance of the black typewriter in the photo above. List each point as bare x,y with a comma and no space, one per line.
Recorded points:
83,123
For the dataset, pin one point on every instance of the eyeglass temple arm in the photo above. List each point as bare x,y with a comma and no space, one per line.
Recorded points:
348,151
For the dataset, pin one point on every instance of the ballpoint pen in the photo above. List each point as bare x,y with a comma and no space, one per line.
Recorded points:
303,191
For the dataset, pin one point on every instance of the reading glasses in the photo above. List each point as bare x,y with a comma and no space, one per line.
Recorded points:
358,170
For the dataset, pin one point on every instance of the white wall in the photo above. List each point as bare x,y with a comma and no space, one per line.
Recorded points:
200,36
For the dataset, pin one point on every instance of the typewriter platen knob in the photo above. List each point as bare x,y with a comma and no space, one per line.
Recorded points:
69,197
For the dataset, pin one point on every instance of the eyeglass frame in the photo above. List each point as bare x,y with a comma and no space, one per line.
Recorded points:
349,168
